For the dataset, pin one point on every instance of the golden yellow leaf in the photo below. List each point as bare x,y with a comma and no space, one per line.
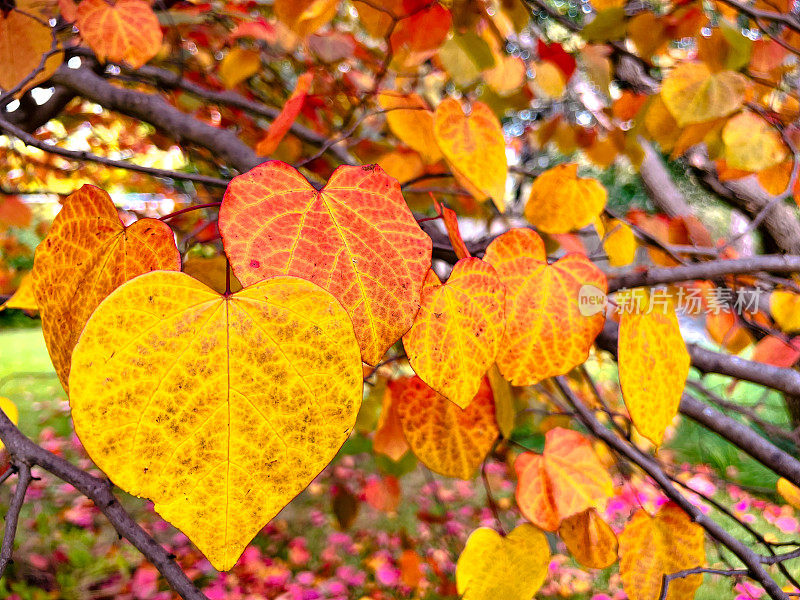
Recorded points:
752,144
561,202
507,76
694,94
619,243
653,366
589,539
411,120
492,567
447,439
785,309
23,42
238,65
789,491
505,412
305,17
11,411
219,409
474,148
86,255
457,331
24,298
548,81
651,547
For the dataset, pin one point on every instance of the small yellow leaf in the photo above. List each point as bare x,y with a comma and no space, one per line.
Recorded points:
619,243
789,491
752,144
505,412
220,409
785,309
561,202
238,65
653,366
589,539
548,81
24,298
492,567
694,94
10,410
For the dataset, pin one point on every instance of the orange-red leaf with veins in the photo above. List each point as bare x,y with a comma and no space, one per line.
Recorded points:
283,122
356,238
450,220
546,334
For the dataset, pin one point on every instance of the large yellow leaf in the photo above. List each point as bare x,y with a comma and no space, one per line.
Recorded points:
546,333
448,440
560,201
492,567
23,42
474,148
305,17
123,31
411,120
456,334
86,255
220,409
653,366
589,539
752,144
356,238
567,478
651,547
693,94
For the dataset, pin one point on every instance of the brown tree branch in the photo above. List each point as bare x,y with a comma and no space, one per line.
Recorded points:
12,515
25,452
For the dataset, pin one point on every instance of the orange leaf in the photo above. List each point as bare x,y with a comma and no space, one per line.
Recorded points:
356,238
567,478
561,202
14,212
411,574
474,148
411,120
589,539
283,122
457,331
546,334
725,329
305,17
383,493
23,42
448,440
774,351
418,36
389,439
651,547
450,220
126,31
87,254
653,366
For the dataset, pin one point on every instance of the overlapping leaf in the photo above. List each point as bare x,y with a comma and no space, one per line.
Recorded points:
86,255
589,539
283,122
651,547
23,42
456,334
785,309
653,366
305,17
356,238
219,409
561,202
124,31
752,144
474,148
694,94
512,567
389,439
411,120
448,440
566,479
546,334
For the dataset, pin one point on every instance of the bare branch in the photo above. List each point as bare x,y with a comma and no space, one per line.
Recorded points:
667,579
12,516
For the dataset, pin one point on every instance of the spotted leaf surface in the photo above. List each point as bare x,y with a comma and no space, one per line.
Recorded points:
545,334
474,148
356,238
512,567
651,547
561,202
122,31
590,539
456,335
566,479
87,254
447,439
653,366
218,409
